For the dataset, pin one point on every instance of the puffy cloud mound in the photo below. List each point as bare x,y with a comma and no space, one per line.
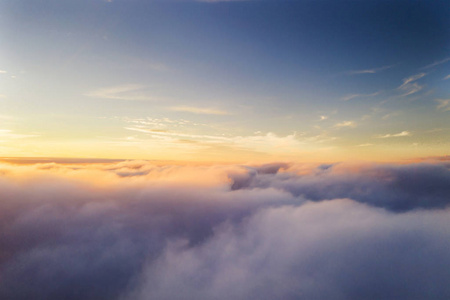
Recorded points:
139,230
394,187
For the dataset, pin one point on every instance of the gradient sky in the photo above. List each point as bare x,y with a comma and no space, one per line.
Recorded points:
225,80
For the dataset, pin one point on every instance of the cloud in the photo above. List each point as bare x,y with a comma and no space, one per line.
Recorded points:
130,92
444,104
395,188
440,62
3,72
352,96
409,86
149,230
369,71
9,134
161,122
343,124
319,251
412,78
390,115
391,135
446,77
262,143
216,1
199,110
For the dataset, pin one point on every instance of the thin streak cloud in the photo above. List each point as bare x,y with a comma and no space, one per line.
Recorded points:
409,86
217,1
437,63
393,135
268,143
369,71
443,104
199,110
9,134
352,96
129,92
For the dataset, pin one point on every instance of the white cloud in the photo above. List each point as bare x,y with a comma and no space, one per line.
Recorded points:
409,86
350,124
262,143
151,230
130,92
369,71
412,78
9,134
161,123
199,110
390,115
3,72
444,104
215,1
447,77
440,62
352,96
392,135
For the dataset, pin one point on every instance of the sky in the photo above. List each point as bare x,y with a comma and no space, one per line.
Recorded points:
225,80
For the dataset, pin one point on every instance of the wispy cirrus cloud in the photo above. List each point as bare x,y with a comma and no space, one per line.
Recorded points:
412,78
393,135
437,63
258,143
216,1
368,71
446,77
9,134
390,115
6,135
129,92
167,133
199,110
269,142
443,104
410,86
352,96
160,123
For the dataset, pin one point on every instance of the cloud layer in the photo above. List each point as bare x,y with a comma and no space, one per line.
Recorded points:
141,230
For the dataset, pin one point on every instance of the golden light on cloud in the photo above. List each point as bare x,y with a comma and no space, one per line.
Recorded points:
199,110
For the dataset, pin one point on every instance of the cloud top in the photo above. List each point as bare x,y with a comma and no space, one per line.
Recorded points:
145,230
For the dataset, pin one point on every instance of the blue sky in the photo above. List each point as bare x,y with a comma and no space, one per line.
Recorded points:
259,79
